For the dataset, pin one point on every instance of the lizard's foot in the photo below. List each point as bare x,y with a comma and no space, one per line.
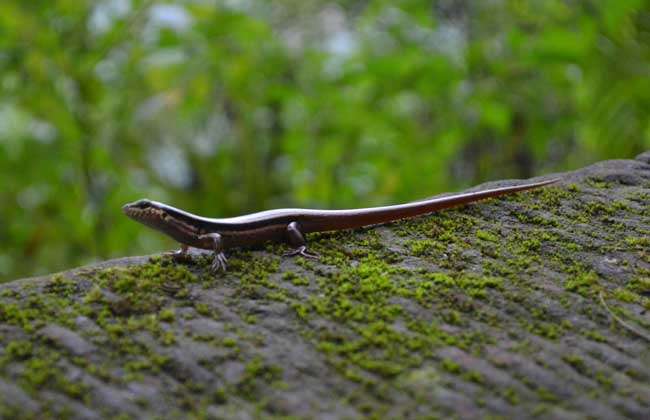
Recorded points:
301,250
219,263
180,255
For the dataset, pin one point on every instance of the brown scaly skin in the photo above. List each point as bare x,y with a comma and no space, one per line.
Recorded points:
288,225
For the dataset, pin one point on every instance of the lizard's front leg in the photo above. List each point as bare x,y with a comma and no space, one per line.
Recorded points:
297,240
181,254
219,261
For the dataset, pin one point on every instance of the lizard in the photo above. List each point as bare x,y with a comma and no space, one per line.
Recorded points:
290,225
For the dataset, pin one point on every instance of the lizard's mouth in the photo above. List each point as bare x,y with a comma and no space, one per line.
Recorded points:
143,214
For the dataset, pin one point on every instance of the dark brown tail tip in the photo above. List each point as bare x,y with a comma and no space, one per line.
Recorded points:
550,181
539,184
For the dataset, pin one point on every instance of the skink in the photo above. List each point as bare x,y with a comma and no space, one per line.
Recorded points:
288,225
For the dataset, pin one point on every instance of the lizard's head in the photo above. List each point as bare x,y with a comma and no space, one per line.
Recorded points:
146,211
162,217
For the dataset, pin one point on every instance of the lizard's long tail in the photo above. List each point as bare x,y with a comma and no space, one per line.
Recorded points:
350,219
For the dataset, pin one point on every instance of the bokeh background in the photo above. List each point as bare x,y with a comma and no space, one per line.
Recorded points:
231,106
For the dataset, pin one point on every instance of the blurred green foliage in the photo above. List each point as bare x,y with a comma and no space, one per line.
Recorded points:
226,107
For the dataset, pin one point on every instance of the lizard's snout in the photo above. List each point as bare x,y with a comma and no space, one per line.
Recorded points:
128,209
143,211
133,211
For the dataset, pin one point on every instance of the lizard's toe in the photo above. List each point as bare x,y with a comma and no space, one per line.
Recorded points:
301,250
220,262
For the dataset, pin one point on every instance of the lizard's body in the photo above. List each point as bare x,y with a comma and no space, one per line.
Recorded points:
286,224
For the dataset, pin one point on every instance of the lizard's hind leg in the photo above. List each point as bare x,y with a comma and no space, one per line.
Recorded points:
297,240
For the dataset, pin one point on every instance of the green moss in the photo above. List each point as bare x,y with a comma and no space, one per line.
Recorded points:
638,243
422,247
295,279
640,285
9,293
595,335
576,362
582,283
300,281
452,317
511,396
545,329
37,372
25,317
220,396
19,350
229,342
474,376
152,363
597,182
41,371
95,295
61,285
546,395
450,366
486,236
168,338
605,380
203,309
625,295
167,315
477,285
302,310
139,287
257,371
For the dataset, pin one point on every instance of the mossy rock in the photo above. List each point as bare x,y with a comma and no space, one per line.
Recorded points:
537,304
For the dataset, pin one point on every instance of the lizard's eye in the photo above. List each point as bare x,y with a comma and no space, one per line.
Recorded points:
142,204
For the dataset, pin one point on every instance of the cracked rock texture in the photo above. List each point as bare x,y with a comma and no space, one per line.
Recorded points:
534,305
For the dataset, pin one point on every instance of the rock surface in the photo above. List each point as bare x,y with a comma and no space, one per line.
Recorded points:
532,305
